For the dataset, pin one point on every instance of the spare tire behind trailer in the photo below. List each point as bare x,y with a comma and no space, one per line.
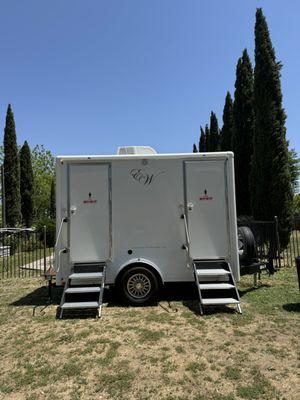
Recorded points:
247,245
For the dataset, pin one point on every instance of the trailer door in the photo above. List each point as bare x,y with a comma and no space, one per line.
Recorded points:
89,212
207,208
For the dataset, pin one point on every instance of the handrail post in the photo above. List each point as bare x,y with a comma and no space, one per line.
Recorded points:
64,250
187,239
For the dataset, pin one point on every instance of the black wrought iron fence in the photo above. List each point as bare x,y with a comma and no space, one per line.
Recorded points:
24,252
293,249
268,244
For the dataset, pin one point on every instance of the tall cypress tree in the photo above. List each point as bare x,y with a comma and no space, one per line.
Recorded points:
227,129
26,185
242,141
52,200
11,171
202,141
270,178
214,133
195,150
207,138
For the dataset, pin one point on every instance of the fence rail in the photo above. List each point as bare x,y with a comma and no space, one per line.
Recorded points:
24,253
293,249
268,245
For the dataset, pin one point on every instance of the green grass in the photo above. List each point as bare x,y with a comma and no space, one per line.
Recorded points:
232,373
9,266
146,353
260,388
148,335
195,367
292,249
116,384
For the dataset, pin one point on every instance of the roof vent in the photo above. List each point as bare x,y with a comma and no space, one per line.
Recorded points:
135,150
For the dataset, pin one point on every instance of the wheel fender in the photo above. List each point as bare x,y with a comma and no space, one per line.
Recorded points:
139,261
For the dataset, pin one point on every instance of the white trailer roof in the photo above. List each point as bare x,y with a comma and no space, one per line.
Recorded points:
212,155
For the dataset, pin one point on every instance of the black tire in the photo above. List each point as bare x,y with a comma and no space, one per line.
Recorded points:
247,245
139,286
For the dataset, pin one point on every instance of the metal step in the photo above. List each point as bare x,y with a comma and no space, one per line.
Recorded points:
82,304
221,301
215,275
86,275
88,267
212,272
82,280
209,286
89,289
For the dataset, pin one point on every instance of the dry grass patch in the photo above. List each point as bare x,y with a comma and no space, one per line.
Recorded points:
166,352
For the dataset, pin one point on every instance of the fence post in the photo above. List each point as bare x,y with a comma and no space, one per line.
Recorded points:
45,248
277,240
3,197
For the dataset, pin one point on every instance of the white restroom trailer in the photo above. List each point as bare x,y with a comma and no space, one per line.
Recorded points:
144,219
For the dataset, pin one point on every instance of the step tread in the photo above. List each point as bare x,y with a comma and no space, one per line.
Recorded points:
87,264
86,275
90,289
82,304
220,301
213,271
208,286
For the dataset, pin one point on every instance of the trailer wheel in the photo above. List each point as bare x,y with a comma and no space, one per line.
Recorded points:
139,286
246,243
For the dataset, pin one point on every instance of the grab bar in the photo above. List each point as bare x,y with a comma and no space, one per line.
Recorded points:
188,242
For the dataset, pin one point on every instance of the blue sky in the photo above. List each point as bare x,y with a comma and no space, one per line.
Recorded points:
87,76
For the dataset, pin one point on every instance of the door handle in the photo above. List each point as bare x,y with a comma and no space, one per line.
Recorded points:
190,206
73,210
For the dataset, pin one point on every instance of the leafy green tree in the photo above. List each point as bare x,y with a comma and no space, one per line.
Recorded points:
242,140
294,162
214,133
26,185
11,172
271,185
52,200
227,129
43,165
195,150
202,141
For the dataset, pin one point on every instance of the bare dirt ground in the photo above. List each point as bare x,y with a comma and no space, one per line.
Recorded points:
163,352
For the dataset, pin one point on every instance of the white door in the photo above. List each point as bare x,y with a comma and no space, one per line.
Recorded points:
89,212
206,205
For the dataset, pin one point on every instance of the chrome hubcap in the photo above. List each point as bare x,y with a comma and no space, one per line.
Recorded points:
138,286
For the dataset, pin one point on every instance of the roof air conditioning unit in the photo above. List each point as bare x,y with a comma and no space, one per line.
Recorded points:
125,150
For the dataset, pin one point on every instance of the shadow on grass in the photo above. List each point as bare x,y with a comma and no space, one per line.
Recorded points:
186,293
77,314
193,305
242,292
291,307
170,292
39,297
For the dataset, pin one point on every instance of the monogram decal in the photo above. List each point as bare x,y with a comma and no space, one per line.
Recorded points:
143,177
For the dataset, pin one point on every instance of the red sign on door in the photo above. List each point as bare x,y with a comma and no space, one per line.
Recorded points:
90,200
